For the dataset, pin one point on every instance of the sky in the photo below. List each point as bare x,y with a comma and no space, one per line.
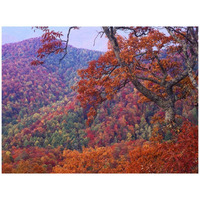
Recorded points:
82,38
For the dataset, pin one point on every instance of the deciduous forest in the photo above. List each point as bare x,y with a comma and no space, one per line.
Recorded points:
132,109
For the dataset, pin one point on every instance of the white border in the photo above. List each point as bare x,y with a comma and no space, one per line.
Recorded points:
97,13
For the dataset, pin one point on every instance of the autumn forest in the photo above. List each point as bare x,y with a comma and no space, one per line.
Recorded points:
132,109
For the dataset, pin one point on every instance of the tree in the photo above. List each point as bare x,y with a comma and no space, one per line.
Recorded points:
153,62
161,63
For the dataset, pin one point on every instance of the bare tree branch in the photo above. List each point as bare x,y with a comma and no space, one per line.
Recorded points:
131,29
148,79
66,45
190,60
101,33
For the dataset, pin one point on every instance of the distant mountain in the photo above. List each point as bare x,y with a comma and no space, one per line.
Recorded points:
27,88
39,108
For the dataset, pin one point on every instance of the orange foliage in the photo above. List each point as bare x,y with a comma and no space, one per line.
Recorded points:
179,156
151,59
30,160
99,160
168,157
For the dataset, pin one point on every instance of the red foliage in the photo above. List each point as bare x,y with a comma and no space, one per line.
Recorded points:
180,156
30,160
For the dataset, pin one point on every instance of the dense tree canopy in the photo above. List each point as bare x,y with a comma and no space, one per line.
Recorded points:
161,63
132,109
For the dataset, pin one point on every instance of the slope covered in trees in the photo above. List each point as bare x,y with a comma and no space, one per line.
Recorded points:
44,127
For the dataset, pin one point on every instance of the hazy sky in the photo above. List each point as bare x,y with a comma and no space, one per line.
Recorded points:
82,38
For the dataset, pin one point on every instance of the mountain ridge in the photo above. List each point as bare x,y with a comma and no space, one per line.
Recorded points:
36,39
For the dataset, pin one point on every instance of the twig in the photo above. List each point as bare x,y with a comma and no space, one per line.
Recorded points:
66,46
100,32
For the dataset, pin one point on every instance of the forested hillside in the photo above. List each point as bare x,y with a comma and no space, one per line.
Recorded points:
45,129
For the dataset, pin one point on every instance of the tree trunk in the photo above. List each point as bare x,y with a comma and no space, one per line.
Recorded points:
170,115
170,108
